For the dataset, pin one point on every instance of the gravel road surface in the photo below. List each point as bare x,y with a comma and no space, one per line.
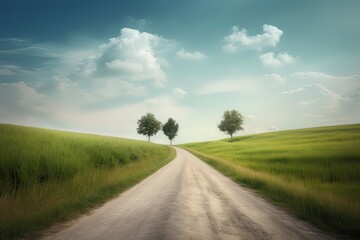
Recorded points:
187,199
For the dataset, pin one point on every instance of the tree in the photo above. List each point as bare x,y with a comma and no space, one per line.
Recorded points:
170,129
148,125
231,123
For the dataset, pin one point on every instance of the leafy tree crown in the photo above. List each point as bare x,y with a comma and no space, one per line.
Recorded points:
232,122
170,129
148,125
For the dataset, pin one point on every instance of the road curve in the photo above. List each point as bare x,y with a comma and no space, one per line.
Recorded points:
187,199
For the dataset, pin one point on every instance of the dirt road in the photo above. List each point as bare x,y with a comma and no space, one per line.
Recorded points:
187,199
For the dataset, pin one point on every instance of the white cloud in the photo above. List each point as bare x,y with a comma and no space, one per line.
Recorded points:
130,56
190,55
270,60
123,66
276,78
239,40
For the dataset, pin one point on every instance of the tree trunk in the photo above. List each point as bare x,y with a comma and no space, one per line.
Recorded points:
148,138
231,138
170,142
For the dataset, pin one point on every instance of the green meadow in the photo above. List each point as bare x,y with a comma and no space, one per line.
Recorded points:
48,176
314,172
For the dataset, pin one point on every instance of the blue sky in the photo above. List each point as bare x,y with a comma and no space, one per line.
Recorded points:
98,66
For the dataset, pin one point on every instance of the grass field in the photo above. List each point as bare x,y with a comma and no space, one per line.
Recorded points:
48,176
315,172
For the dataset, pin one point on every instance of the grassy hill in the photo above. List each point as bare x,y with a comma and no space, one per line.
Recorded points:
47,175
315,172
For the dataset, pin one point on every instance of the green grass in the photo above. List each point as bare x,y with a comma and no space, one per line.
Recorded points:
314,172
48,176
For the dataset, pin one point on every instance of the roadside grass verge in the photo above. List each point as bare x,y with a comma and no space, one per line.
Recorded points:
48,176
313,172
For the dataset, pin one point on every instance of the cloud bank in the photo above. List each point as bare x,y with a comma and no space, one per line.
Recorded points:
130,56
239,39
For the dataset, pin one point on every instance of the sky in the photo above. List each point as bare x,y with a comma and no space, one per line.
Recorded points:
98,66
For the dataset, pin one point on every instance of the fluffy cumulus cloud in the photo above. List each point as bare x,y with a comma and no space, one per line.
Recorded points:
126,65
239,39
271,60
130,56
190,55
